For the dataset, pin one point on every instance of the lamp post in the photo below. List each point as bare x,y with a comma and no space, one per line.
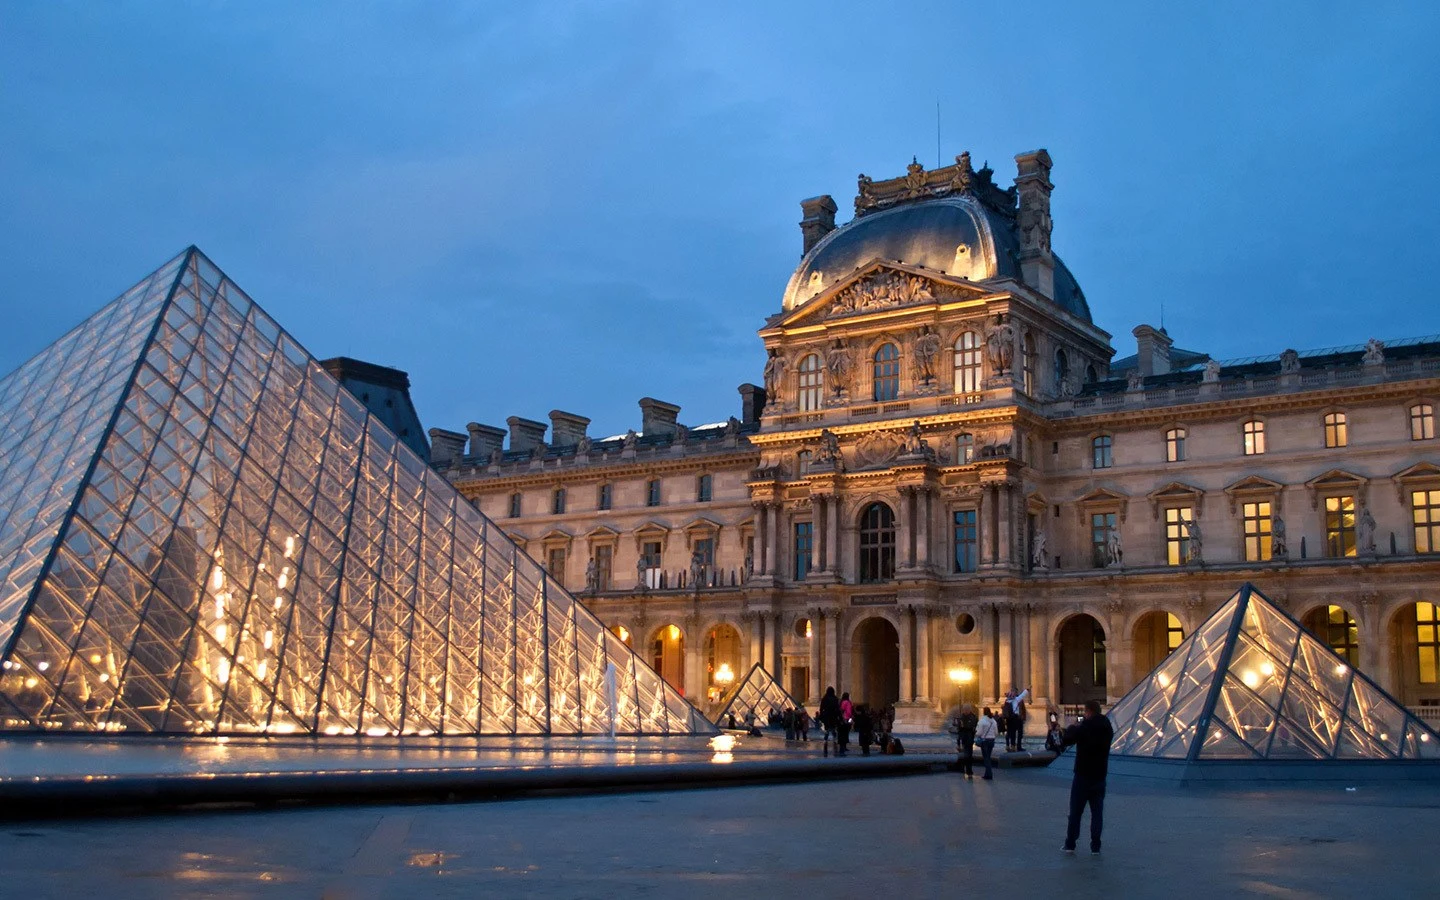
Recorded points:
961,676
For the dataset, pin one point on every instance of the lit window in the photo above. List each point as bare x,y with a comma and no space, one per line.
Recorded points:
650,555
705,549
1102,525
964,448
1175,445
1422,422
1342,634
652,492
1256,522
702,489
1335,435
1100,449
515,506
812,379
967,363
557,501
1426,512
1177,535
966,541
1174,631
1254,437
877,543
1427,640
1340,526
887,372
804,547
1027,362
606,494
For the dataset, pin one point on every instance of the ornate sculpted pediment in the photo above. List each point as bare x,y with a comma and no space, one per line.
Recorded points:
878,448
882,290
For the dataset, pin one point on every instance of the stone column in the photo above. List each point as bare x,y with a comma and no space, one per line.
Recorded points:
1373,642
924,689
907,654
1004,524
838,665
777,640
816,642
904,552
832,533
775,524
694,675
925,517
1004,635
756,624
1039,652
762,538
982,526
820,548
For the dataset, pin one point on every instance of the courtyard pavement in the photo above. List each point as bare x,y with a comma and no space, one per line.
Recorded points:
919,836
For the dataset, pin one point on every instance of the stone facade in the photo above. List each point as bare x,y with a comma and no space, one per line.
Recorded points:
949,487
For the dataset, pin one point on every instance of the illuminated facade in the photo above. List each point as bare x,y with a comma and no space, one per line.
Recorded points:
948,485
204,533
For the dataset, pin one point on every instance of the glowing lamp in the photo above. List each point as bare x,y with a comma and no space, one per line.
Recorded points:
724,674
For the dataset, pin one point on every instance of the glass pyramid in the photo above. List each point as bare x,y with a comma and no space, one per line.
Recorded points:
757,692
201,532
1252,684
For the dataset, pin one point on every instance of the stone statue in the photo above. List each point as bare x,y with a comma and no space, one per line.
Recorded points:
774,371
1212,371
1365,533
1038,557
584,446
682,434
592,576
837,361
1289,362
630,439
732,427
927,350
1000,347
1192,530
1374,353
915,443
497,456
697,570
829,453
1114,553
640,571
1278,547
1134,381
749,571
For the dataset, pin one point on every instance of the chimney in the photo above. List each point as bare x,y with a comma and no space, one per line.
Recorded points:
566,429
446,447
752,403
485,439
1153,350
819,220
657,417
1032,184
525,434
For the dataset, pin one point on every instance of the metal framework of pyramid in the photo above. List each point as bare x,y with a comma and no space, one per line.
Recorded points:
1252,684
201,532
757,692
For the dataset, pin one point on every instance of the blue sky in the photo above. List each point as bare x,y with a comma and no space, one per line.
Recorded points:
574,205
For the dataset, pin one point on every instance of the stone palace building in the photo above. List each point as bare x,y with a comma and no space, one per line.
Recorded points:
948,485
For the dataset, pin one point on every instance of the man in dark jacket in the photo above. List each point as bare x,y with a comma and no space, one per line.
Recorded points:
829,716
1091,738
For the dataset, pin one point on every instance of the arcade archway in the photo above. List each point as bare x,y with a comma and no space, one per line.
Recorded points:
667,655
876,654
1081,645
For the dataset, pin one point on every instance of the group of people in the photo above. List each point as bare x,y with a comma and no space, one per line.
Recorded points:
839,717
1090,736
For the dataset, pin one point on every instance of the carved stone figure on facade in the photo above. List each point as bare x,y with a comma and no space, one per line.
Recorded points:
682,434
837,362
630,439
732,427
1374,353
697,570
1114,552
641,570
884,289
1212,371
497,456
748,571
927,350
1000,347
583,447
914,177
829,452
1197,545
774,370
1365,533
915,443
865,196
1279,549
1289,362
1134,381
1038,553
592,576
962,183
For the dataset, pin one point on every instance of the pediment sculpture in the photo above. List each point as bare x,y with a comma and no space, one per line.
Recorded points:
878,448
883,290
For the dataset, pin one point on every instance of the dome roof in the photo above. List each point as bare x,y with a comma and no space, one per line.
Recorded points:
957,235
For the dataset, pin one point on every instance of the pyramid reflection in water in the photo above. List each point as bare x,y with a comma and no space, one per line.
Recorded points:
201,532
1252,684
757,692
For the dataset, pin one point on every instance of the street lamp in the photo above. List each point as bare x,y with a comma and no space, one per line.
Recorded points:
960,676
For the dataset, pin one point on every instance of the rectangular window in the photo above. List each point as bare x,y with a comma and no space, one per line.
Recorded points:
652,492
1175,445
1102,525
1422,422
1340,526
604,567
1177,535
804,547
1335,431
1100,451
703,489
555,564
650,555
704,550
1426,512
1256,522
557,502
606,497
967,544
514,506
1254,437
1427,637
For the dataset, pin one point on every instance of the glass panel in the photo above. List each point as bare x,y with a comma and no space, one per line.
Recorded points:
1258,671
1239,709
1220,743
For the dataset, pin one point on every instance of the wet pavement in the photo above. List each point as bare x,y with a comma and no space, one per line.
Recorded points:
927,836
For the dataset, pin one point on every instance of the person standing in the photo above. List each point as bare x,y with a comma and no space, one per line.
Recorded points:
965,724
847,719
802,724
829,716
865,727
986,730
1091,738
1015,721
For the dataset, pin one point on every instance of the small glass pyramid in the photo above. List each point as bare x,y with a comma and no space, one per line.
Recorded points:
757,692
201,532
1252,684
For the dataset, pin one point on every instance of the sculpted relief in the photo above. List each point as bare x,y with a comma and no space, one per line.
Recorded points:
878,448
882,290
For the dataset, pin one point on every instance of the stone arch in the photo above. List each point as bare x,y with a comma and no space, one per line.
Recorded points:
664,650
722,653
1152,638
875,644
1081,662
1402,636
1337,626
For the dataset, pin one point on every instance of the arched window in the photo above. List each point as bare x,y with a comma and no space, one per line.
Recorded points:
877,543
1091,376
812,382
1175,445
1100,449
964,448
1335,431
967,363
887,372
1062,367
1027,362
1254,432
